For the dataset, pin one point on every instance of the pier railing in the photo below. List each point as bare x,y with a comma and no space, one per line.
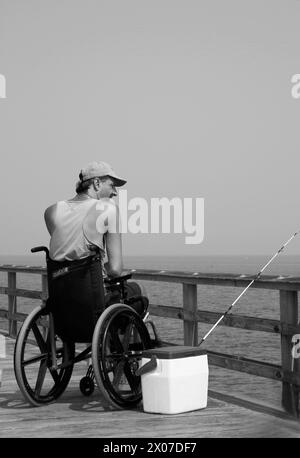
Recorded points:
288,372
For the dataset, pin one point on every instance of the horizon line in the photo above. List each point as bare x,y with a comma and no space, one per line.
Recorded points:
172,255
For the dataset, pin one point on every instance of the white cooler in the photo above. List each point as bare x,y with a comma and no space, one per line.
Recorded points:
174,379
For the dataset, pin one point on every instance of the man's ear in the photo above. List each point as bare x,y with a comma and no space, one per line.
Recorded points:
97,184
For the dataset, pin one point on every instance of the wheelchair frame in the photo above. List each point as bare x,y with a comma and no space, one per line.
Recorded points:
43,362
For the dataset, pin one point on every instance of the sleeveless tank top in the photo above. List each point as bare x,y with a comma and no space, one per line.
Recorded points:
68,240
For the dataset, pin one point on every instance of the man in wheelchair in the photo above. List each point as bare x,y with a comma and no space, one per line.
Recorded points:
81,226
90,302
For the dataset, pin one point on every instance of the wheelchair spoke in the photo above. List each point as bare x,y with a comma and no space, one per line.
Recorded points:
115,338
39,338
40,378
127,336
35,359
54,374
114,355
133,380
118,372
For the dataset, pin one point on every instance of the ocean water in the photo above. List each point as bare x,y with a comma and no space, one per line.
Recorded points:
256,302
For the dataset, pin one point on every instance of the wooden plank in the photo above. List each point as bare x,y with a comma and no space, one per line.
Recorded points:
265,282
242,364
16,316
236,321
240,321
203,316
289,315
19,292
24,269
249,403
190,328
254,367
166,311
249,323
287,283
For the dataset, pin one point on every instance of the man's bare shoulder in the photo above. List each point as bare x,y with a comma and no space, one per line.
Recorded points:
49,216
50,209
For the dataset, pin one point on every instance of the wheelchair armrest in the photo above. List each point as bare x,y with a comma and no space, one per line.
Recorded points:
114,280
40,248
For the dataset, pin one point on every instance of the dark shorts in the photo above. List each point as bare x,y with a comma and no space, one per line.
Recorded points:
134,297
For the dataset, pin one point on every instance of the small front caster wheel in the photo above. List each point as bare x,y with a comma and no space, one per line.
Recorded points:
86,386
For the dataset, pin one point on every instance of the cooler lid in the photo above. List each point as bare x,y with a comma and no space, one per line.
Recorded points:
173,352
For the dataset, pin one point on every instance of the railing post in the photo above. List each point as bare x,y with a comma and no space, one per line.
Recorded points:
288,315
12,303
190,328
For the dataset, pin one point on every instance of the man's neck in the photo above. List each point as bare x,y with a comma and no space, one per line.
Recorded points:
82,196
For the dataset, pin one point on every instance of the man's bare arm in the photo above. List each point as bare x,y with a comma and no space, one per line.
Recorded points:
49,217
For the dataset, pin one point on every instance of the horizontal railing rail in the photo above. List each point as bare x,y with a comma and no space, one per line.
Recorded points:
286,327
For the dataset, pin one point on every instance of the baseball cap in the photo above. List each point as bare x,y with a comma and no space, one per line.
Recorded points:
100,169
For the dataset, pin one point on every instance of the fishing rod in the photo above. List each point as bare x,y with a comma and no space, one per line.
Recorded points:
248,286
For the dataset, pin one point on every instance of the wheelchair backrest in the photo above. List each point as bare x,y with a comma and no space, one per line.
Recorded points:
76,297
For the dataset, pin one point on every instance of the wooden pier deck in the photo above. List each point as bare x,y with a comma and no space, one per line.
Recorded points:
75,416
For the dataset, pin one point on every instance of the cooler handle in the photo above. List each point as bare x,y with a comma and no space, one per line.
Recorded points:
148,367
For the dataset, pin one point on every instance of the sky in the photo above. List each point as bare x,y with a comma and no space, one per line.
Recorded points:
186,99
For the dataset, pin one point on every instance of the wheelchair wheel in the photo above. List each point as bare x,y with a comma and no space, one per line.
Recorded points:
38,381
119,338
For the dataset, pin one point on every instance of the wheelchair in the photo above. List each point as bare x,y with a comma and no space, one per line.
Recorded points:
75,313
